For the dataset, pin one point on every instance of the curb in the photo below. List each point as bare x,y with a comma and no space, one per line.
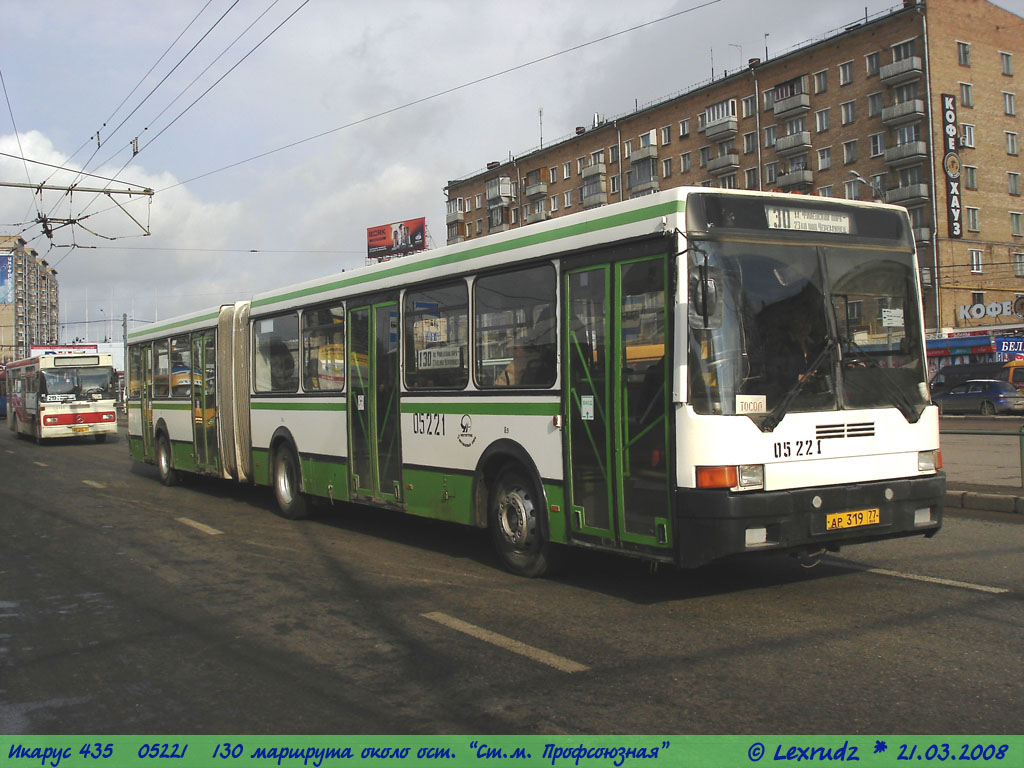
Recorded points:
988,502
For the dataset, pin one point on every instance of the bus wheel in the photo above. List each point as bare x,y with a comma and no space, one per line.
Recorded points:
38,433
164,464
291,503
514,519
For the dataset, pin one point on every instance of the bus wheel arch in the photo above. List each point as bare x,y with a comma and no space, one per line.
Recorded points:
286,477
511,503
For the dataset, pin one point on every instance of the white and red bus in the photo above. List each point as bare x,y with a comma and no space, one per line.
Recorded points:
62,395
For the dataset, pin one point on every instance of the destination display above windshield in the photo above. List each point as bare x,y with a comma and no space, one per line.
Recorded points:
807,220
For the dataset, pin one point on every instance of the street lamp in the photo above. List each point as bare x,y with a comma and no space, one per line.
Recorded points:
875,191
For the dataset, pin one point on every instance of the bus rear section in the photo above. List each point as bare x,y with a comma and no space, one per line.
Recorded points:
63,395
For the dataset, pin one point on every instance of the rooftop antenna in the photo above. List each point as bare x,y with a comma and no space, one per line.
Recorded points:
541,113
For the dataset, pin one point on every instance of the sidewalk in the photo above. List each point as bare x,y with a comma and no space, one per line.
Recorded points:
982,472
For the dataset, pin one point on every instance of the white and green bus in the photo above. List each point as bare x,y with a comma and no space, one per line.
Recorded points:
681,377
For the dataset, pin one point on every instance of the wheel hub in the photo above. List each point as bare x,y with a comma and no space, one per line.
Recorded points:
517,518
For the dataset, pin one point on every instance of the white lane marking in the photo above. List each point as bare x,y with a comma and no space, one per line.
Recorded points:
199,526
918,577
94,484
552,660
40,464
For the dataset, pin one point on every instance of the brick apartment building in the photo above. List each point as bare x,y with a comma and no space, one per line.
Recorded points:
857,114
29,300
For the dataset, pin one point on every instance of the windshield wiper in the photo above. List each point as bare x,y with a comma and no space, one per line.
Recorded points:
771,421
890,388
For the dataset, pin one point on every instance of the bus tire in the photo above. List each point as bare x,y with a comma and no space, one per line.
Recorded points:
165,462
37,429
514,516
287,480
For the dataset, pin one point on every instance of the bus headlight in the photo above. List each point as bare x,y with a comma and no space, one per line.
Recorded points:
929,461
741,477
50,420
109,416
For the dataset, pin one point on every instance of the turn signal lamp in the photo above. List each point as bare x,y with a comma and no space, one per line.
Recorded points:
742,477
929,461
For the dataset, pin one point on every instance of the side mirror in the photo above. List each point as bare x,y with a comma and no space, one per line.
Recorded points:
704,300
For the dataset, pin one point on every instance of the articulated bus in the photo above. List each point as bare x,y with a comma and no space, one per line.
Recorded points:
62,395
682,377
3,390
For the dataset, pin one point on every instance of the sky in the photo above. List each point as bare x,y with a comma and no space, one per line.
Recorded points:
275,132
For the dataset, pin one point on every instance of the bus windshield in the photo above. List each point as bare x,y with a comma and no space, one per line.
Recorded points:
797,326
80,383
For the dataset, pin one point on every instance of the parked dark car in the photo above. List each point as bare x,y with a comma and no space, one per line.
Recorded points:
985,396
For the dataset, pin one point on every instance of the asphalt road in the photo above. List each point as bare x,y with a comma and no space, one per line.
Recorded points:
127,607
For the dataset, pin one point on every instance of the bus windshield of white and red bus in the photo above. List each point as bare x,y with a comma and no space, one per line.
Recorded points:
78,383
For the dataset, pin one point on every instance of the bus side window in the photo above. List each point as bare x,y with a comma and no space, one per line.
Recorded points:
161,370
275,365
134,372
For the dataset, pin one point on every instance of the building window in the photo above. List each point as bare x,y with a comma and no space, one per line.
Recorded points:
967,135
874,104
769,136
1006,59
966,95
666,167
824,158
613,153
749,142
877,144
821,81
728,181
1016,225
970,176
684,128
848,112
771,172
750,178
851,189
975,261
666,135
973,216
705,156
871,62
1013,181
963,54
627,150
846,73
977,297
1018,264
850,152
748,105
1011,143
553,173
479,202
567,169
554,203
903,50
567,199
821,120
769,99
614,181
1008,104
597,158
684,162
825,191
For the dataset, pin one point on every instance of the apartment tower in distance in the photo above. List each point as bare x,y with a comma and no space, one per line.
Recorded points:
915,106
29,301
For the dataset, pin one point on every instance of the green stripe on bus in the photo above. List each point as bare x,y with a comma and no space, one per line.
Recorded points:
172,406
257,405
159,328
484,408
538,238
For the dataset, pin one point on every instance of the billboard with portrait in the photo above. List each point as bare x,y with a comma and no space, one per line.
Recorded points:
396,239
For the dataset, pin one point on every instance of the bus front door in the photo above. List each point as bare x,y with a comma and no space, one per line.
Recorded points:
374,417
617,401
204,402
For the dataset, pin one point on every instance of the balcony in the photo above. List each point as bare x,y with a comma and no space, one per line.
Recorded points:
907,112
796,178
535,190
900,72
455,217
644,153
793,144
533,218
908,195
792,106
729,163
595,169
907,154
726,128
644,188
